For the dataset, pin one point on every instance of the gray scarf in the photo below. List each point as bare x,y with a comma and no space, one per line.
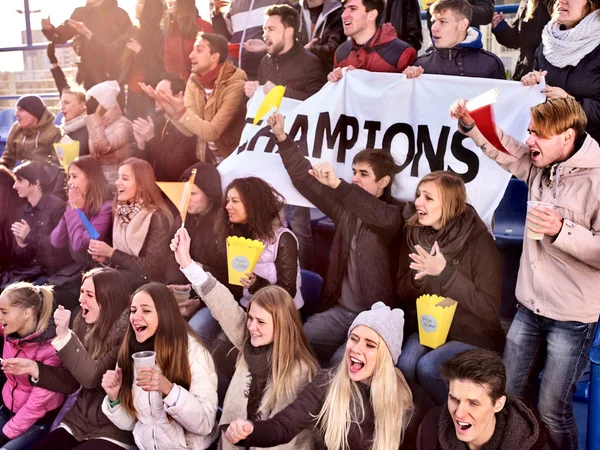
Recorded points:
567,47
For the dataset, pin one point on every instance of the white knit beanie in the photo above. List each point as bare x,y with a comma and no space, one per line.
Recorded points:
387,323
105,93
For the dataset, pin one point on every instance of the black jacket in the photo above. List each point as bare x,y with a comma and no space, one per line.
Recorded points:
526,36
467,59
328,29
99,60
405,16
298,70
580,81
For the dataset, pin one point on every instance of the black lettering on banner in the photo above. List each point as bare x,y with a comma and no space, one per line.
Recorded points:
372,126
339,132
390,134
263,132
435,159
466,156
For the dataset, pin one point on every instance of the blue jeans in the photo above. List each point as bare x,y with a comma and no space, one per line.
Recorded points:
416,360
28,438
205,325
561,350
298,218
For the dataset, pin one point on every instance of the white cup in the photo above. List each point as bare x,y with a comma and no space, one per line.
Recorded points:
144,360
533,204
182,294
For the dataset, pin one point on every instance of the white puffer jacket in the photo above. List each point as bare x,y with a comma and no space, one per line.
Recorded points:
192,413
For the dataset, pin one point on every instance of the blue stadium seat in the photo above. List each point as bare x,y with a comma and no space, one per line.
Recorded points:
311,292
509,218
58,118
7,118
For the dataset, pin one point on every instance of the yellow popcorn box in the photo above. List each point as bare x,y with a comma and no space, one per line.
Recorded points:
242,256
435,315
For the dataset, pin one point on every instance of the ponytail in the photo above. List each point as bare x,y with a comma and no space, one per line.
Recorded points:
39,298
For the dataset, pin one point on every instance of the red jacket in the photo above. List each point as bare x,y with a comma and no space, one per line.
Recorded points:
384,52
177,48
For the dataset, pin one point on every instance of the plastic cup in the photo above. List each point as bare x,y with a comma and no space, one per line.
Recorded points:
533,204
144,360
182,294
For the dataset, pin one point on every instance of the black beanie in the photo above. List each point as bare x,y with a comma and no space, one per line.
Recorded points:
33,104
207,179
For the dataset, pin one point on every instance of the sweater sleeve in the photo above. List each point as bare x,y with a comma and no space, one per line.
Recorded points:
151,261
78,235
290,421
220,302
38,403
103,143
59,238
57,379
508,35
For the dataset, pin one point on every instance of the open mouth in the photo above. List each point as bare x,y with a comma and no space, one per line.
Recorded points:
140,328
84,312
535,154
463,426
356,365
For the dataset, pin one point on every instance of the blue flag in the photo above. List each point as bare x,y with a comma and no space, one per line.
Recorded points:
88,225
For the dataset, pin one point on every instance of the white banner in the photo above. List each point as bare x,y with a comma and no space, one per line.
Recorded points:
409,118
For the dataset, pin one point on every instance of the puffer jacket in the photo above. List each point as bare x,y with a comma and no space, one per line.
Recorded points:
467,59
184,419
111,140
580,81
232,319
384,52
524,35
32,144
559,277
221,117
29,403
328,29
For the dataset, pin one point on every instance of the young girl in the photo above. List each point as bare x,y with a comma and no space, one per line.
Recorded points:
34,255
142,226
448,251
253,210
88,193
87,353
364,403
275,360
174,404
27,328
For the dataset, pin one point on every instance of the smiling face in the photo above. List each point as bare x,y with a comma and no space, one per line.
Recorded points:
428,203
24,188
71,106
236,211
473,412
77,178
126,185
260,326
547,151
203,61
143,316
12,318
356,20
199,202
90,309
361,353
448,29
570,12
276,36
363,176
25,119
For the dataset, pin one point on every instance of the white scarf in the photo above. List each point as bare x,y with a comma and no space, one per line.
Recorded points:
567,47
74,124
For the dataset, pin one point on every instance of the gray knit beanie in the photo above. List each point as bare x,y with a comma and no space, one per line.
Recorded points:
387,323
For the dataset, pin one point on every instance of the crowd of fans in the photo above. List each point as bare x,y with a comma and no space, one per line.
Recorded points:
166,99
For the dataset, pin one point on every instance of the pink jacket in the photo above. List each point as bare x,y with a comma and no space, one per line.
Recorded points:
28,402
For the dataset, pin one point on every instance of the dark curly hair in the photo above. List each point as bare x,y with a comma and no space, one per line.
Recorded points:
263,207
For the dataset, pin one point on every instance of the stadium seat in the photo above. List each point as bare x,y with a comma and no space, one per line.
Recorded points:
311,292
7,118
509,218
58,118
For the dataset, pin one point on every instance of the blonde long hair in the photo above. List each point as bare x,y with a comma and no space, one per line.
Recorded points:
39,298
291,354
391,399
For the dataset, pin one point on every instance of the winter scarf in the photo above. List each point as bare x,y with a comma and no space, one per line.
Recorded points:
258,360
135,346
130,236
72,125
128,210
567,47
208,80
451,239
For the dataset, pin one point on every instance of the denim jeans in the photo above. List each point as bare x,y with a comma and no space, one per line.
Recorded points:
298,218
327,332
206,326
422,364
28,438
561,350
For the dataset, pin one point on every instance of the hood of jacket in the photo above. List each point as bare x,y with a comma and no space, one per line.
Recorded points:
46,121
37,337
473,40
384,34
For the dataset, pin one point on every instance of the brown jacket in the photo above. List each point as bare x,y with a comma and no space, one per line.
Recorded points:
559,277
86,419
221,117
